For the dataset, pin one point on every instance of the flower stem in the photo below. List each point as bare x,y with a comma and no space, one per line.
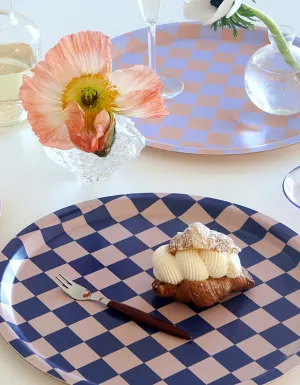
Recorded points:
279,38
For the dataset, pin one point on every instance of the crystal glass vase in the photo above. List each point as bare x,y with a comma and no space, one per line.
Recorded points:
19,51
150,10
271,83
89,167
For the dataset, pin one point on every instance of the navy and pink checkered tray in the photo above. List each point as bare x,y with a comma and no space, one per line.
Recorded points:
213,115
106,245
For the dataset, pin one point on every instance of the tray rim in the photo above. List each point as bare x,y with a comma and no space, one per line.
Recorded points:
263,217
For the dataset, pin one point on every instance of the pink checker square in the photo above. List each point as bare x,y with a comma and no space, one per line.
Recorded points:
55,298
92,307
289,364
139,303
42,348
181,109
129,333
47,221
214,78
259,320
293,324
232,218
213,342
152,237
249,371
71,251
256,347
234,92
158,213
165,132
293,242
219,139
291,348
9,314
167,341
209,370
122,360
224,57
193,87
217,316
65,270
266,270
198,65
39,363
238,241
102,278
80,355
34,243
24,269
47,324
115,233
265,222
77,228
108,255
203,124
121,208
262,295
294,298
269,246
17,292
176,312
165,365
140,282
196,214
143,259
87,328
7,333
117,380
295,273
208,100
70,378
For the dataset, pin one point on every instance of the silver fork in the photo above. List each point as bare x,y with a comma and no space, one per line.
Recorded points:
80,293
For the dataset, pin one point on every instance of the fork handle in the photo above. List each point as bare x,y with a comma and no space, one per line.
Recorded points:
144,318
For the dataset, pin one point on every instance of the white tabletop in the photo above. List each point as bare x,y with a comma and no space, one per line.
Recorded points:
32,186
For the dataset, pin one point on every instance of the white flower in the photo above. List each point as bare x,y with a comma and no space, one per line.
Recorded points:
203,11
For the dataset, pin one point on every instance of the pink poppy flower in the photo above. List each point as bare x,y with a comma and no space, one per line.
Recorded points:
73,95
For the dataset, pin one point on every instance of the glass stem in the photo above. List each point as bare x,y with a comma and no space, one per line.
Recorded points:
12,9
151,45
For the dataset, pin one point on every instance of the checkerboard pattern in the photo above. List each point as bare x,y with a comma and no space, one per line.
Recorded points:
107,245
214,114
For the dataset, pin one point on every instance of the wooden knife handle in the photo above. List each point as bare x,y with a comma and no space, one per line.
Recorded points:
141,317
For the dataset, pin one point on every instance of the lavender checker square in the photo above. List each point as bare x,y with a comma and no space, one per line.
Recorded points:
274,133
236,81
241,59
212,89
194,136
204,112
176,63
228,47
184,98
193,76
232,103
133,58
202,55
223,126
220,68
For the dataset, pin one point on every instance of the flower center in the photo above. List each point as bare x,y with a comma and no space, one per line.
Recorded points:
89,96
216,3
91,91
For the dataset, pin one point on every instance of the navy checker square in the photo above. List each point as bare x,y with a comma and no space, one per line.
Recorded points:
249,339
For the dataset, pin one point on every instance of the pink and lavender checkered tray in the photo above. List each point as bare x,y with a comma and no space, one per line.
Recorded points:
107,245
213,115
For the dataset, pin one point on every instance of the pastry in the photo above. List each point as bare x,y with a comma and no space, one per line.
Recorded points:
200,266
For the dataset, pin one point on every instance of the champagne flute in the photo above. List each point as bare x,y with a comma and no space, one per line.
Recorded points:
291,186
150,10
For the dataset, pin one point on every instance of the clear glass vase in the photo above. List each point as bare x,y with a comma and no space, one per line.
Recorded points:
272,84
19,51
